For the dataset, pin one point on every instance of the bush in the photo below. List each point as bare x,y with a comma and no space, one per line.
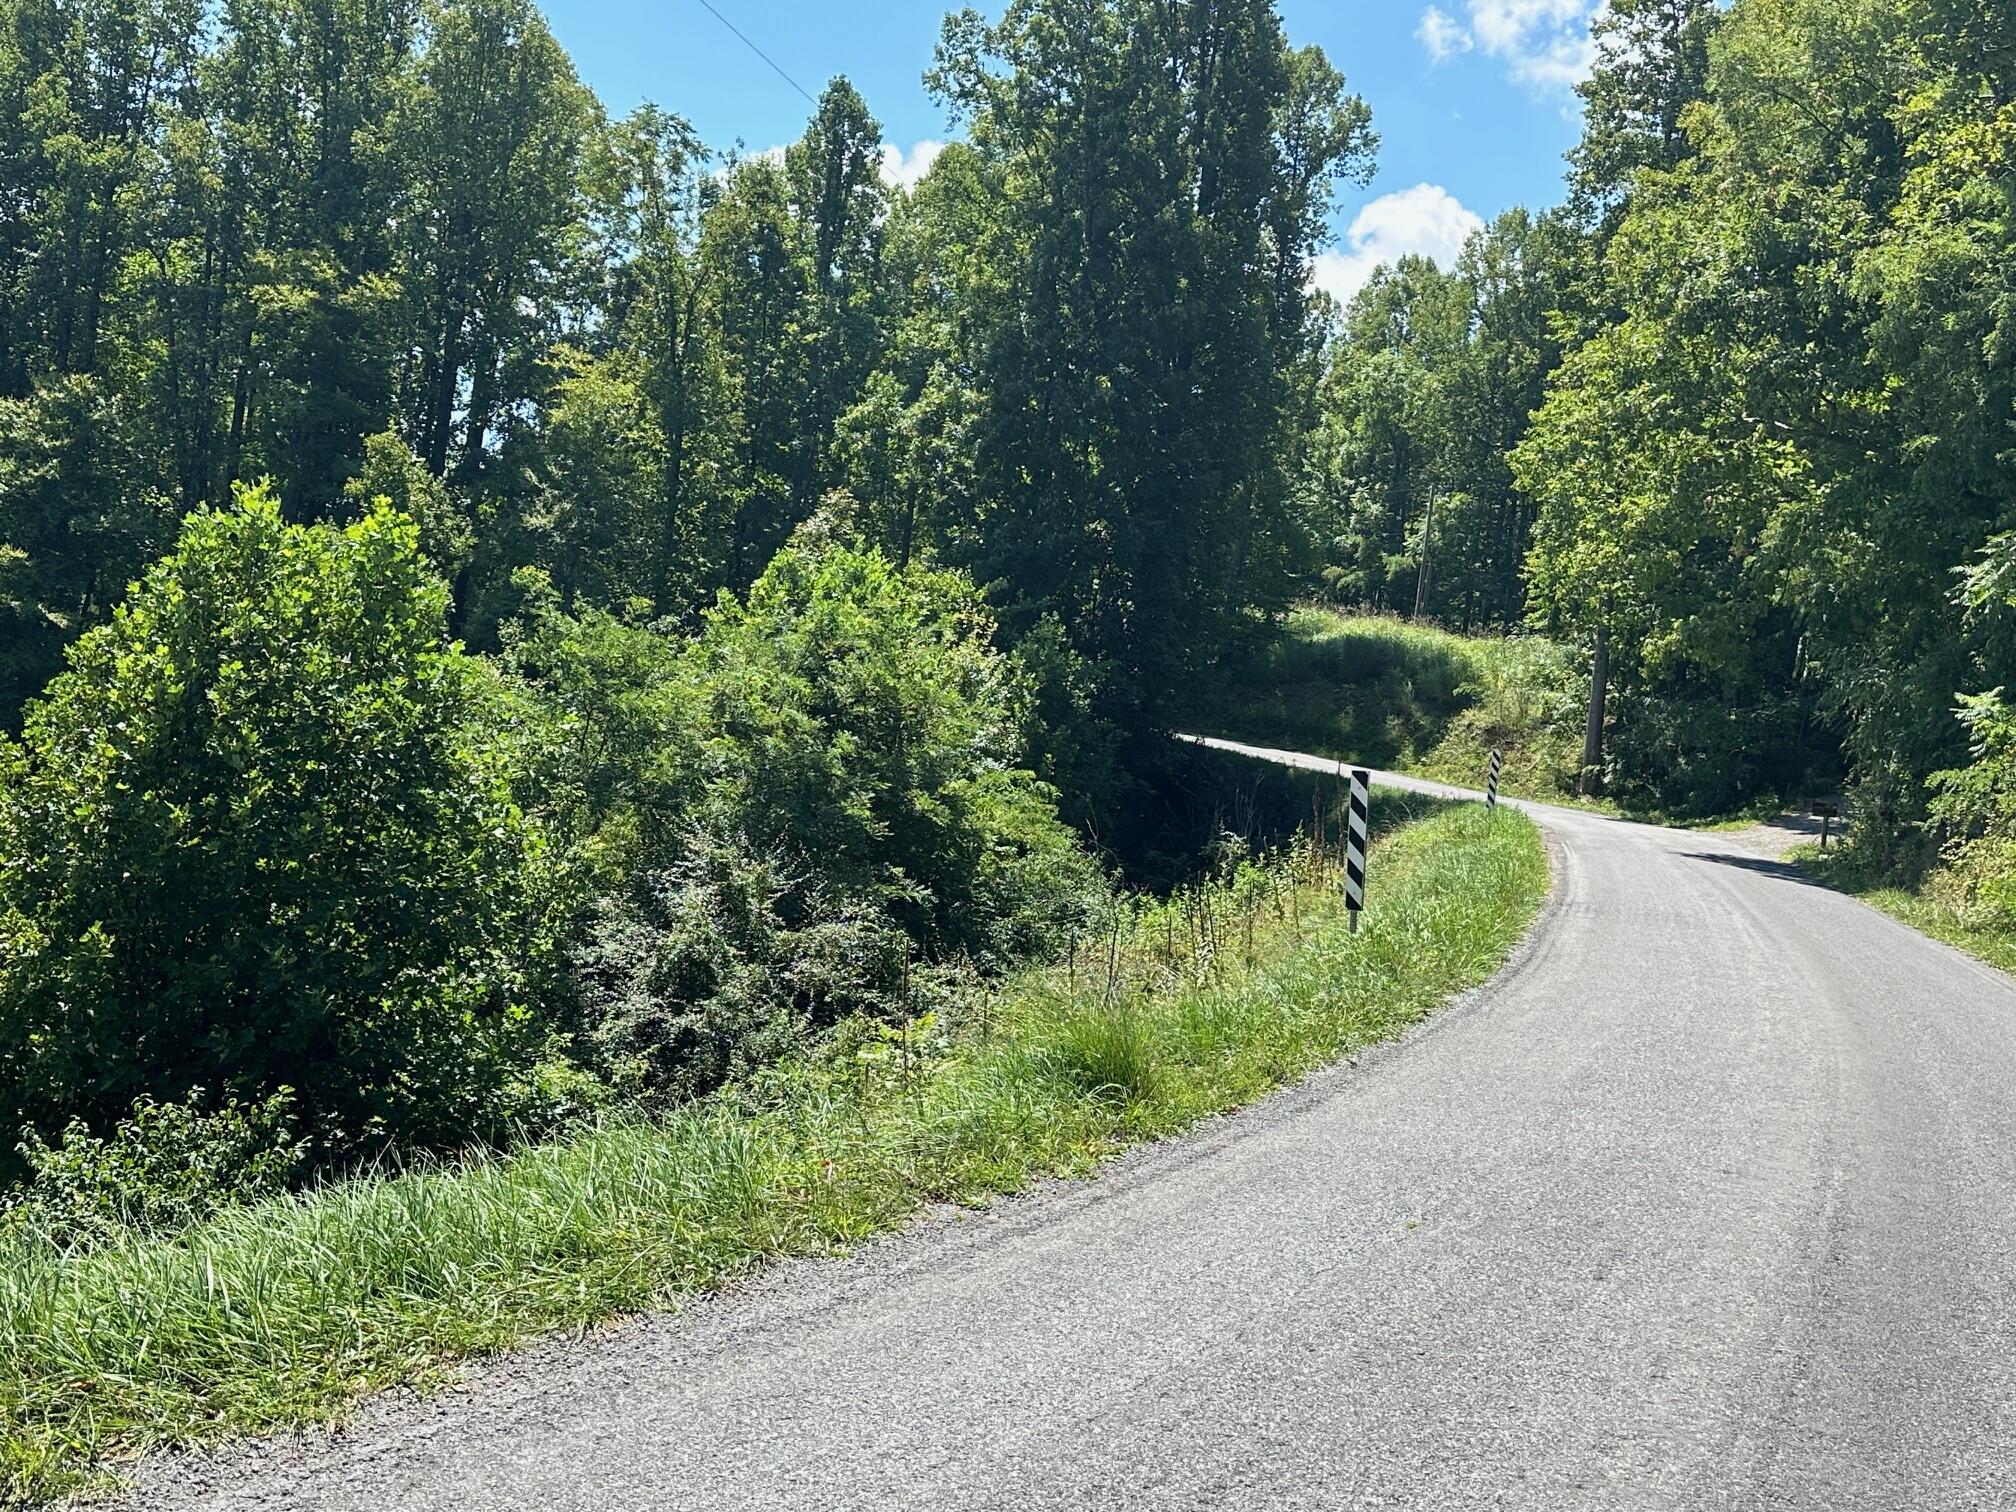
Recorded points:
859,723
254,838
805,813
683,977
1973,811
815,809
162,1168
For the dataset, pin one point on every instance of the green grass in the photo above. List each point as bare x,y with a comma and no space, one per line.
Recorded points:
1416,699
285,1313
1424,701
1937,906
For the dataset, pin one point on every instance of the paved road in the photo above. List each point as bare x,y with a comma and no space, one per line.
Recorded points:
1710,1202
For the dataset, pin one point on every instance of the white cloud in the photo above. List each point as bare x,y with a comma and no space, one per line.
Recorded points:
901,170
1543,43
1426,220
1442,34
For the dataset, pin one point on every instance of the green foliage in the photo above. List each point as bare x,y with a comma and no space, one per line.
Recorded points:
1651,64
857,718
694,975
392,473
254,838
163,1167
1428,384
78,521
1789,429
801,813
1143,309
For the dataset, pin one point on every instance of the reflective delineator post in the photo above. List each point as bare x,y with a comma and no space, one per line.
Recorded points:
1491,783
1355,832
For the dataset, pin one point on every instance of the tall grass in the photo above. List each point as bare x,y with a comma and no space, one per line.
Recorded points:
283,1313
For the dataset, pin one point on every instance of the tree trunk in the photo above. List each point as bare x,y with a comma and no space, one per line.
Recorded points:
1592,735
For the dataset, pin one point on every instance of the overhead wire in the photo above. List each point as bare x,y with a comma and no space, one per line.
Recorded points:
759,52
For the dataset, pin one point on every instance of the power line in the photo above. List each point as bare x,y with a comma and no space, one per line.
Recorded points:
758,51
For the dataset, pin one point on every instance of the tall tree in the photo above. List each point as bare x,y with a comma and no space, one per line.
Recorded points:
835,173
759,261
488,136
1651,64
653,193
1164,171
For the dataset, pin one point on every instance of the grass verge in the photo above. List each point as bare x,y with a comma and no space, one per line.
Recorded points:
282,1314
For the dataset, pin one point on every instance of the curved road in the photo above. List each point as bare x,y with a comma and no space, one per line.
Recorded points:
1708,1202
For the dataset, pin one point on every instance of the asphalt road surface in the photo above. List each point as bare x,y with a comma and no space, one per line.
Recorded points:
1708,1202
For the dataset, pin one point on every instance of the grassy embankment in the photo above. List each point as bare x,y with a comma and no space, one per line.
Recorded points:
1411,698
1414,699
284,1313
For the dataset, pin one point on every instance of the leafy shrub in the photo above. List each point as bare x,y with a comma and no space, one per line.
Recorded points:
858,721
610,749
254,837
163,1167
683,975
1973,811
803,814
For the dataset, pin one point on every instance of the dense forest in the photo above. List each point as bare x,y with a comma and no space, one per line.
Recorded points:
504,608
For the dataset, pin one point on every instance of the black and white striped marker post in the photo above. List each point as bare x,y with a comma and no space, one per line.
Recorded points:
1491,785
1354,844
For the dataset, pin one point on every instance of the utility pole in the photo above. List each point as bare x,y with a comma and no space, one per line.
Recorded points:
1427,541
1592,734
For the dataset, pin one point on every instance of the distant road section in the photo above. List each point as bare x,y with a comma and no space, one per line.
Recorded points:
1708,1203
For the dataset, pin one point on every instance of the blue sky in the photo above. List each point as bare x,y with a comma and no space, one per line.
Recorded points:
1472,99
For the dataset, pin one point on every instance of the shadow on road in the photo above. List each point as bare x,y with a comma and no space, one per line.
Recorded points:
1783,870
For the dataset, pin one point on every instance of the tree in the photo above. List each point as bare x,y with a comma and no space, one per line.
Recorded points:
1798,410
1386,443
1651,64
1163,174
651,195
80,88
489,134
80,516
258,837
759,266
835,172
602,464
